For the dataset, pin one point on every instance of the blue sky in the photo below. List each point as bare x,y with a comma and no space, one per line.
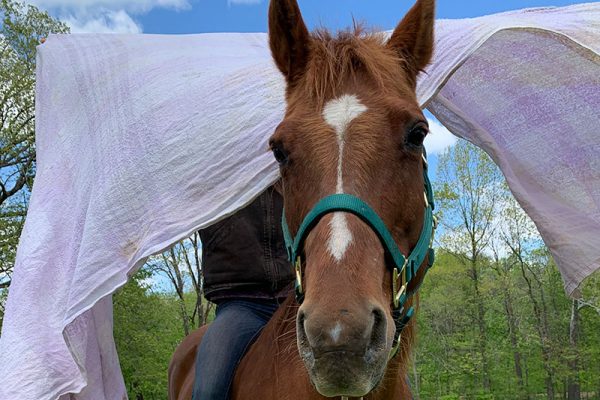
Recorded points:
196,16
251,16
199,16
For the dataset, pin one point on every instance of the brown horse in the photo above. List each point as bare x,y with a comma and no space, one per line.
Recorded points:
352,125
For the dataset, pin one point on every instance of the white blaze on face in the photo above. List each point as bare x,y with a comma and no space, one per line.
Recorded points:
339,113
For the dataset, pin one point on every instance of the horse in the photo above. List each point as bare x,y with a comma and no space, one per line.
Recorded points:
357,220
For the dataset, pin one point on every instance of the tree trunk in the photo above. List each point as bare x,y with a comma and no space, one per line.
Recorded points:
481,326
573,390
179,286
542,329
201,309
526,374
512,332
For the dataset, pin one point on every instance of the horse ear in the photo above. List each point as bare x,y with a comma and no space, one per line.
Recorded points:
413,37
289,38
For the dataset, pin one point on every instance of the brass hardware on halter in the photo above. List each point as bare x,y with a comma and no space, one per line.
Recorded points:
399,290
434,227
298,268
395,277
426,201
400,293
395,348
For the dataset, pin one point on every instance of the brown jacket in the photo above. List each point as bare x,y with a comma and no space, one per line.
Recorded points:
244,256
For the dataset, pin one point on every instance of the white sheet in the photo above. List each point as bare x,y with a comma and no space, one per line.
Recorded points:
143,139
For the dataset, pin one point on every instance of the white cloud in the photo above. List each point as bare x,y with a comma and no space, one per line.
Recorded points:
105,16
134,6
439,138
107,22
242,2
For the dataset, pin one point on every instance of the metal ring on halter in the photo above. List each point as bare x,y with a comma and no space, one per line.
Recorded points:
434,227
395,348
398,292
298,269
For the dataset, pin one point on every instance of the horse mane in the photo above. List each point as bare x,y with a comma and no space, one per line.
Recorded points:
335,59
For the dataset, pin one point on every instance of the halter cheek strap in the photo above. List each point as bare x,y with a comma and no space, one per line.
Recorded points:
404,269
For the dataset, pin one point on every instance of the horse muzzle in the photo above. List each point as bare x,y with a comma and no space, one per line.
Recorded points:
346,355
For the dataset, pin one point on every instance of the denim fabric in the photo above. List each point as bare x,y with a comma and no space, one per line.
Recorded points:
237,323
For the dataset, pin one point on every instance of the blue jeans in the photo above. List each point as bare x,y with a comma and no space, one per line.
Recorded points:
237,323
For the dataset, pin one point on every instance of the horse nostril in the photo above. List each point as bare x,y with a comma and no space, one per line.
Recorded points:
301,315
378,314
300,328
378,334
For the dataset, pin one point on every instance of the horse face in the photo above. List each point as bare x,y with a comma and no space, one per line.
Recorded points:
352,125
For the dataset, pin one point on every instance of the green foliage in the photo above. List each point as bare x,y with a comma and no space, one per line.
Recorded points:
21,28
446,356
467,192
495,294
147,329
450,397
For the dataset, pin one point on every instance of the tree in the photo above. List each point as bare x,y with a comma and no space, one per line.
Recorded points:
146,334
169,264
504,269
574,389
493,275
469,191
521,238
21,29
182,266
194,265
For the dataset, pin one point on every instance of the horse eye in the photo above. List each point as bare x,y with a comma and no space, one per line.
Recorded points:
280,155
417,135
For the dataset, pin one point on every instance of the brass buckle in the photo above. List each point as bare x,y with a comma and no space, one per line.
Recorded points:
395,349
399,292
434,227
298,268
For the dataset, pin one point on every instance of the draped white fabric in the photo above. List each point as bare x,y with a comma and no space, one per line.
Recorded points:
143,139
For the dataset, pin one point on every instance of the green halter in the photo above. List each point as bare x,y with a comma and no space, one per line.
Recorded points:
403,268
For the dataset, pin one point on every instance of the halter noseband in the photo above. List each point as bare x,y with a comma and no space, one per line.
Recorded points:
404,269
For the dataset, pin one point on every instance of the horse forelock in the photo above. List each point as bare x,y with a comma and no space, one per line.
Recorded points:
350,56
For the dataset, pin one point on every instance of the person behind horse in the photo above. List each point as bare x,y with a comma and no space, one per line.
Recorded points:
247,274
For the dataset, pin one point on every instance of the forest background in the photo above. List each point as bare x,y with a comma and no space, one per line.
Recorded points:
494,320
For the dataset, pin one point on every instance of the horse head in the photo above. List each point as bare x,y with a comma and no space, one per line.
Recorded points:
352,126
